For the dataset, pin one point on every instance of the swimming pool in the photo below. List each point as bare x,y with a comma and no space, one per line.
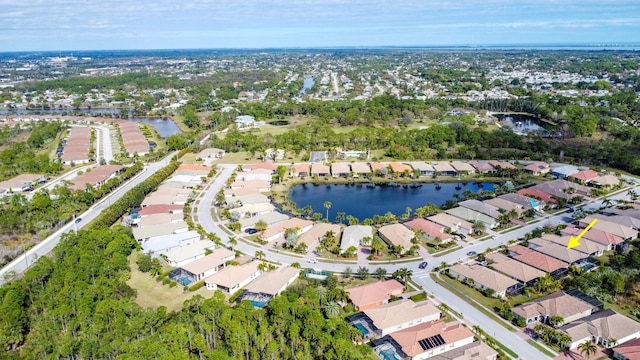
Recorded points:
362,329
388,355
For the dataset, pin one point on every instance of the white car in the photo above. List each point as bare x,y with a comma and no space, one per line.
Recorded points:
495,237
313,261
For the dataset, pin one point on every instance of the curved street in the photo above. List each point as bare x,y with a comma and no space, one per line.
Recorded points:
421,277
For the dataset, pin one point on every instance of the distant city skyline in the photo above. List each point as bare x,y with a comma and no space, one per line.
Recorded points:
59,25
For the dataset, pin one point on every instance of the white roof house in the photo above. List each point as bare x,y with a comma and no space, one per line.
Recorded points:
164,243
208,265
232,278
353,235
185,254
245,121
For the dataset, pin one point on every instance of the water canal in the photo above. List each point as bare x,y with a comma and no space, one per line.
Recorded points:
366,200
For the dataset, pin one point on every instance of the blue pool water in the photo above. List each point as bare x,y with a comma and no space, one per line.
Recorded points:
362,329
184,281
258,304
587,267
388,355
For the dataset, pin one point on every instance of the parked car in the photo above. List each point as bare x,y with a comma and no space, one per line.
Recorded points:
78,220
313,261
423,265
251,231
471,253
495,237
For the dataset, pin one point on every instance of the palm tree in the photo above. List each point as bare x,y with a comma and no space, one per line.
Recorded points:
556,320
562,339
377,245
260,254
233,242
588,348
327,205
404,274
381,273
408,210
612,342
362,273
332,309
261,225
308,210
478,226
340,217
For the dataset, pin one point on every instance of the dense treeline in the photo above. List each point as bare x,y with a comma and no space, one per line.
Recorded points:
76,304
84,85
44,131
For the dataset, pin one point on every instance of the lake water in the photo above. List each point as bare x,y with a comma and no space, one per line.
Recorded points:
165,126
521,124
306,85
364,201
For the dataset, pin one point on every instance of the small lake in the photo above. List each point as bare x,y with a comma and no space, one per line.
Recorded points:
521,124
165,126
364,201
306,85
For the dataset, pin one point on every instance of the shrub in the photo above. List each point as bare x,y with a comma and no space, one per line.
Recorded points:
196,286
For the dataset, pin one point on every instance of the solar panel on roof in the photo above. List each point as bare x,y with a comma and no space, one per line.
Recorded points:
431,342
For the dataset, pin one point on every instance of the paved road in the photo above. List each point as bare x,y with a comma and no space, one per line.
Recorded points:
104,147
22,262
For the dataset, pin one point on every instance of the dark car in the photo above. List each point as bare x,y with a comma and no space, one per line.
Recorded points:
423,265
78,220
471,253
251,231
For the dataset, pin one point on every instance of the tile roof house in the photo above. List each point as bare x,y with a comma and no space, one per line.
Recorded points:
187,253
557,251
484,278
562,172
452,222
569,308
630,350
430,229
318,169
625,232
340,169
160,209
270,218
277,230
483,167
378,166
523,201
395,316
606,181
584,177
587,247
504,205
513,268
537,194
211,153
602,327
477,350
397,234
481,207
22,182
201,268
444,169
423,168
265,165
501,164
539,168
463,167
300,170
537,260
166,242
353,235
317,232
608,240
400,168
146,233
232,278
563,189
433,338
374,294
472,215
270,285
360,168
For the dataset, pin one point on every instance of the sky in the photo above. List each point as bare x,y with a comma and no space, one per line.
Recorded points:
37,25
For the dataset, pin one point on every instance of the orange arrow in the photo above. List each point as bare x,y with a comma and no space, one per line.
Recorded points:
575,241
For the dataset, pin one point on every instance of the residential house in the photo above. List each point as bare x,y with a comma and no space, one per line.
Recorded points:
557,251
423,168
524,201
452,222
319,169
444,169
538,260
477,350
232,278
481,207
625,232
558,304
606,181
513,268
277,230
210,264
608,240
317,232
430,229
340,169
374,294
483,167
463,167
300,170
251,199
379,168
352,236
245,121
185,254
258,185
586,247
250,210
394,316
484,279
148,232
360,168
270,218
538,195
159,219
401,169
601,328
163,243
472,215
23,182
160,209
211,153
538,168
271,284
256,174
265,165
501,164
430,339
397,235
630,350
562,172
563,189
504,205
584,177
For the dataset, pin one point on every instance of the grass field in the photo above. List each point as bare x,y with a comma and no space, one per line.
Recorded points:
153,294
